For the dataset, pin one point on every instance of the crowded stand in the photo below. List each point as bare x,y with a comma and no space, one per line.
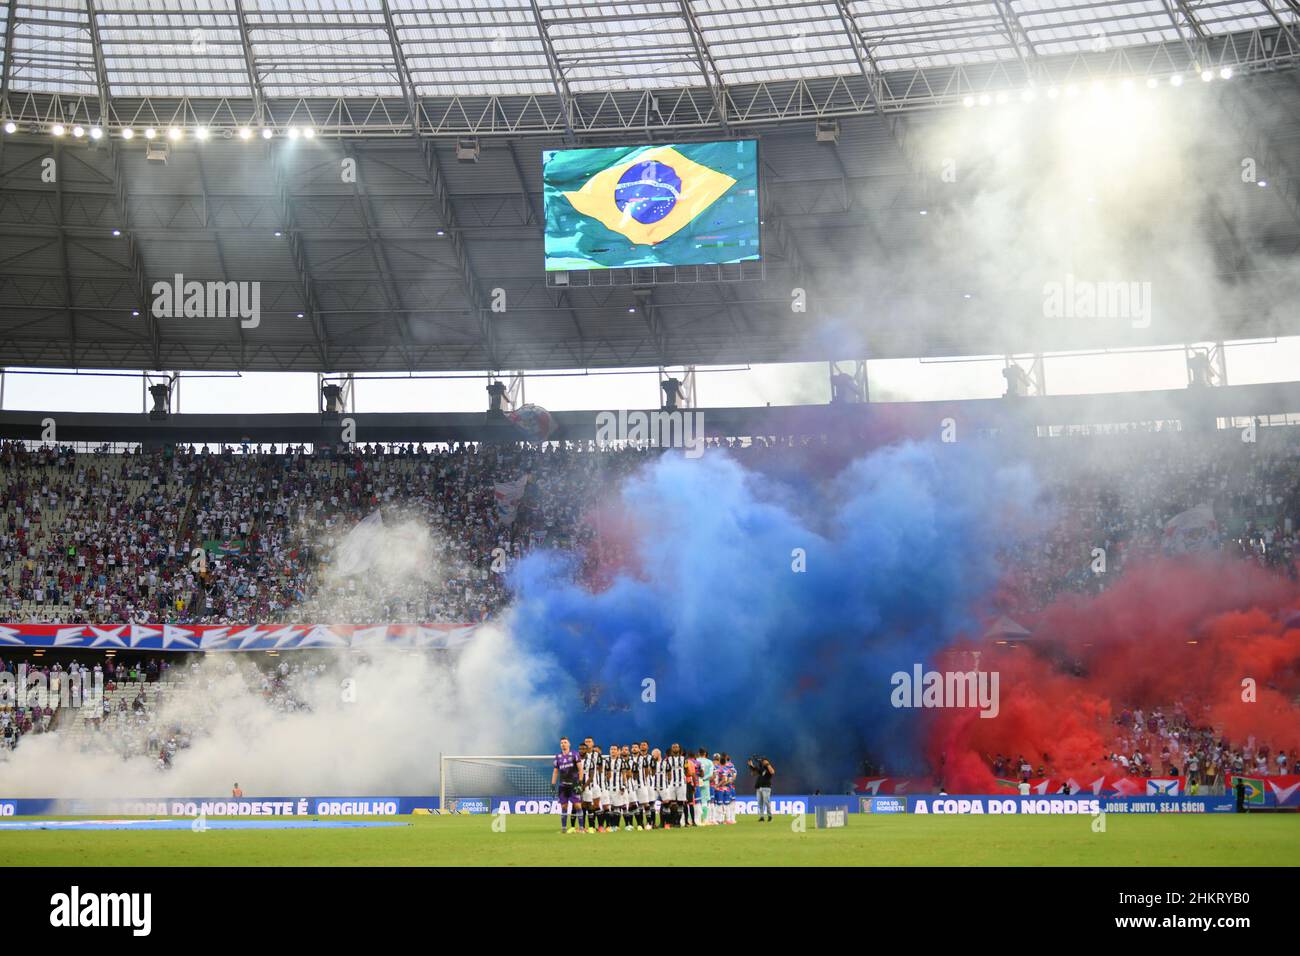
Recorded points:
109,538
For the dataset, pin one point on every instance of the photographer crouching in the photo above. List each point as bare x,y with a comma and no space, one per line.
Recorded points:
763,772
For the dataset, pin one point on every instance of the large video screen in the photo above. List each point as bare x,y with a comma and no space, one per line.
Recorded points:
663,205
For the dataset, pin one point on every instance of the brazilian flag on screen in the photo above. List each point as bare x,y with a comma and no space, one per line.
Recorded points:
665,205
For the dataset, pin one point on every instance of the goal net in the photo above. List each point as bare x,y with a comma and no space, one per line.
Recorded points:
527,775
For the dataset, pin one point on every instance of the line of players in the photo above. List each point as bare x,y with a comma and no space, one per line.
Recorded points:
600,791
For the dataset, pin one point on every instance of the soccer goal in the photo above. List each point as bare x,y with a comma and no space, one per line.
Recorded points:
526,775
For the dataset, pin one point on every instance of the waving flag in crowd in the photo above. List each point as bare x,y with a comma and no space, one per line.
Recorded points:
1192,530
508,494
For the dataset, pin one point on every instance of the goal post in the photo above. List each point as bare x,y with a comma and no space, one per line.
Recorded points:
494,775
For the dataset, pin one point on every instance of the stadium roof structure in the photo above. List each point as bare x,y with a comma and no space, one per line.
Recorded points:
398,269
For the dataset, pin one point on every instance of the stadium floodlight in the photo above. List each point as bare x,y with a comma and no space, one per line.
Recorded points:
968,101
1207,75
294,133
78,132
267,133
10,126
1028,95
201,132
127,133
1152,83
57,129
985,99
526,777
150,132
1262,183
174,132
245,132
1176,80
1225,73
96,133
308,133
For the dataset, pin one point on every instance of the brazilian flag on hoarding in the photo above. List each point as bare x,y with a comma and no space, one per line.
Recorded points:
685,204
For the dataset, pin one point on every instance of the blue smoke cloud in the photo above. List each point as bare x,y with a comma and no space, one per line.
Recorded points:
749,655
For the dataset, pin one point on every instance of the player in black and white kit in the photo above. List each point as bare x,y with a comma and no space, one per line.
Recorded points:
619,768
641,782
673,793
589,760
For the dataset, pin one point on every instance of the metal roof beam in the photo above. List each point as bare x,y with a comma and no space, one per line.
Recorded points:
11,21
379,255
1015,31
216,241
537,216
708,67
558,80
306,284
250,65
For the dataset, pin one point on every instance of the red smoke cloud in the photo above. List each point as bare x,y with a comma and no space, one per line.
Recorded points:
1169,632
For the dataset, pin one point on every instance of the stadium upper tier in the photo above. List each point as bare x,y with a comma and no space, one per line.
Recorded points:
112,538
374,168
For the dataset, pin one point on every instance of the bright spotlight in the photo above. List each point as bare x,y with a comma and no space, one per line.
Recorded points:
58,129
925,212
1225,73
201,132
1176,80
10,126
1027,96
174,132
267,134
96,133
293,132
309,133
1262,183
1207,75
985,99
968,101
128,133
1152,83
245,133
78,132
116,233
150,133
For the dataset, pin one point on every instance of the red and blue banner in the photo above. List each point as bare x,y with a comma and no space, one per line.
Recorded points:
218,637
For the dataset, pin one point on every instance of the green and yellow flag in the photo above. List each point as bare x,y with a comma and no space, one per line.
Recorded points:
615,208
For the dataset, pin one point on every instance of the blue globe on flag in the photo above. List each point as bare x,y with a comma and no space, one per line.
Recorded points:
534,421
647,192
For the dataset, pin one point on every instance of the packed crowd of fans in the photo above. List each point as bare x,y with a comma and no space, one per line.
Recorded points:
214,536
123,707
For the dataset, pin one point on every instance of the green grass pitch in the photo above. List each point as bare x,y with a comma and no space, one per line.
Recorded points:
903,840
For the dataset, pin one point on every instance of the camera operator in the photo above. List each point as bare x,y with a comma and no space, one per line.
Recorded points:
763,772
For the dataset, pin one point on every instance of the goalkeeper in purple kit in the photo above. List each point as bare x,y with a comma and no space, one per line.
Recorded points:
567,774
